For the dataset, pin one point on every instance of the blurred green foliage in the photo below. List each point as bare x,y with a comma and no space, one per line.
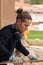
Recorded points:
35,35
34,1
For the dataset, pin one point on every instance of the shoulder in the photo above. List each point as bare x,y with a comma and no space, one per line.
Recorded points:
6,30
6,27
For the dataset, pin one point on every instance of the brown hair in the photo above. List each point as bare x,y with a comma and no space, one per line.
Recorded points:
22,15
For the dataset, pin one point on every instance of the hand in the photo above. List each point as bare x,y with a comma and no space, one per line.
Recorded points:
31,57
12,58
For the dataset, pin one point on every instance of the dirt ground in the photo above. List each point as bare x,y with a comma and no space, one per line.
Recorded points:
36,42
36,46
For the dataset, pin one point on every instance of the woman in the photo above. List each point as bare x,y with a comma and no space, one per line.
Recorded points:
10,37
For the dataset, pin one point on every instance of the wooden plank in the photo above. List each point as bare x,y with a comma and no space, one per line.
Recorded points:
5,62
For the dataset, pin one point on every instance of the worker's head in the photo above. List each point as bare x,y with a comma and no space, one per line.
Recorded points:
23,20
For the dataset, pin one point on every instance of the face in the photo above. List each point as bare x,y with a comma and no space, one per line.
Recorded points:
22,26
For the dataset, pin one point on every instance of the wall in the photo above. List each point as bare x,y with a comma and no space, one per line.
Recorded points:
7,12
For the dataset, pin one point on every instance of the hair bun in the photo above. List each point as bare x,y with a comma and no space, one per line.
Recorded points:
20,10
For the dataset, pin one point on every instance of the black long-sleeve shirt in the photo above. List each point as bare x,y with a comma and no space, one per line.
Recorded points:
8,41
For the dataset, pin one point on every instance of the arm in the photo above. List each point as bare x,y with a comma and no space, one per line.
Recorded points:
21,48
4,37
3,49
4,53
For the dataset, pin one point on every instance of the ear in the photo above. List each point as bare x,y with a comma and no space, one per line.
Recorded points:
19,21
